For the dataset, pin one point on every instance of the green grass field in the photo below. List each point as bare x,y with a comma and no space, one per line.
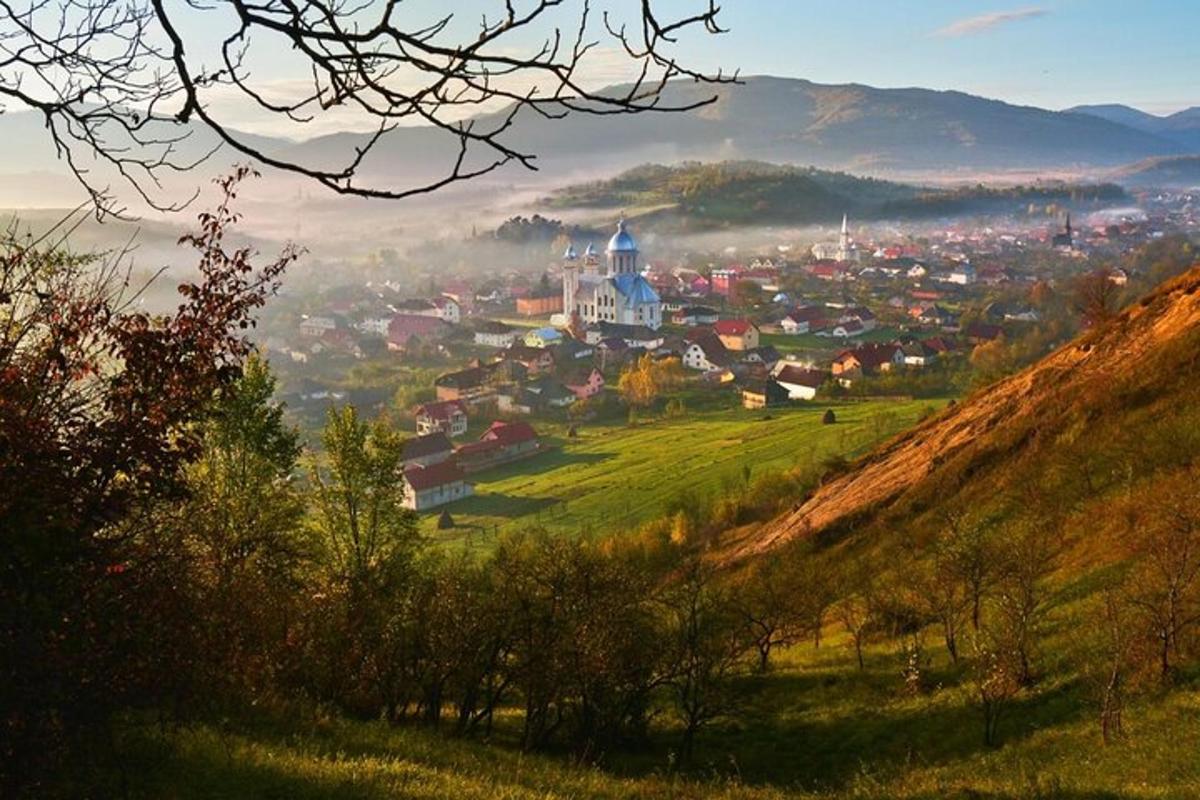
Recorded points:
614,477
810,342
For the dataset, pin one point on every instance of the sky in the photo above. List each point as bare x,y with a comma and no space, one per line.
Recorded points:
1048,53
1053,54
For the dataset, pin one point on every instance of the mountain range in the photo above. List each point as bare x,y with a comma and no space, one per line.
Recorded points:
866,130
1182,127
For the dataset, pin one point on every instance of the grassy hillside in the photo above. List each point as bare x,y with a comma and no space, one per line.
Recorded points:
816,727
699,196
613,477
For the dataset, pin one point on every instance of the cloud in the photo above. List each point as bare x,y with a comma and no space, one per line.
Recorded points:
986,22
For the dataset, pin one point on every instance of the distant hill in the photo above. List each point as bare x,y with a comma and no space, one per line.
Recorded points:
1176,171
696,196
850,126
1182,127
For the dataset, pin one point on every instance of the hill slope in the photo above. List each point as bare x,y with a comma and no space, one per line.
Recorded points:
1171,171
1145,360
694,195
846,126
1182,127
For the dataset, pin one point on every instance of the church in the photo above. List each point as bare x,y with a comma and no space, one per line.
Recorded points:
612,292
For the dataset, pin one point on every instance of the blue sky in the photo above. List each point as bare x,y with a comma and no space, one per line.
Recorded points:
1052,54
1048,53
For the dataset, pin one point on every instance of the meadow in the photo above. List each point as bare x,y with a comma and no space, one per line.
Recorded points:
814,727
614,476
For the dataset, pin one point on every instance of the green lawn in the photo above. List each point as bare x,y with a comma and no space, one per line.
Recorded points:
613,477
807,342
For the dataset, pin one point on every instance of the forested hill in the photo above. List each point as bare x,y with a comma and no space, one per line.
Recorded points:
701,195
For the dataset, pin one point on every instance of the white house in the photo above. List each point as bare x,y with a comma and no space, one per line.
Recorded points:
801,383
317,326
706,354
495,334
448,309
434,485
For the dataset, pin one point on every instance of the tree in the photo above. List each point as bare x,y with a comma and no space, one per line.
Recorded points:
1165,586
1029,554
358,493
1095,297
122,85
242,521
646,380
968,550
765,598
706,642
99,405
858,605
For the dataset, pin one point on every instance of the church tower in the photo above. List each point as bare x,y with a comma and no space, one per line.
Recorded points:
570,273
622,252
843,251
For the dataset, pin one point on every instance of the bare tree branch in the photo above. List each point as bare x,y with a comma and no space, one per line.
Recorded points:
121,84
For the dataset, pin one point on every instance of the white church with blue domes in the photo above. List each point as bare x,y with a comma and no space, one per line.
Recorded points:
615,293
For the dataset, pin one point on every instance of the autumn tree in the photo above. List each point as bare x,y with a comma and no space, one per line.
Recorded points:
99,405
1095,297
648,379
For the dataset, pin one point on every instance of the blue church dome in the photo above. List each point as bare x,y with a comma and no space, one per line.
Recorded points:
621,242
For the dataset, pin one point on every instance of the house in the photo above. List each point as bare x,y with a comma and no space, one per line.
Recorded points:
404,327
472,385
543,337
572,351
316,327
766,355
495,334
919,354
448,309
845,330
963,275
868,359
633,335
446,416
539,306
980,332
736,334
434,485
695,315
585,383
802,320
860,314
800,383
764,394
426,450
501,443
535,360
706,354
551,393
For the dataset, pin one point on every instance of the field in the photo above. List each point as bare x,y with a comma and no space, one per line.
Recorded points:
613,476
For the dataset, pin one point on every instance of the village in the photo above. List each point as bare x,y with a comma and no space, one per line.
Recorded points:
489,363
